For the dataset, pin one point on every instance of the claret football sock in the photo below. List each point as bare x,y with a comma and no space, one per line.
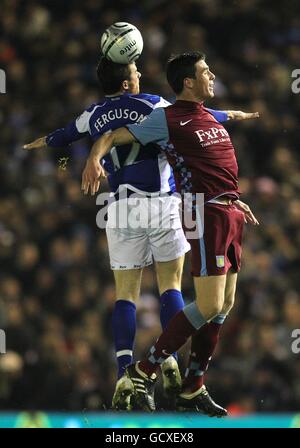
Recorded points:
184,324
204,342
124,328
171,302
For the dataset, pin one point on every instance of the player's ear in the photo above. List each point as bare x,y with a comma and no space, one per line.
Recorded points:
125,85
188,83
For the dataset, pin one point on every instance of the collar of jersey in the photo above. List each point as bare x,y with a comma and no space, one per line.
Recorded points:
192,105
110,97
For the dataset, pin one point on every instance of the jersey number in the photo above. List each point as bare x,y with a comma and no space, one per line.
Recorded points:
130,159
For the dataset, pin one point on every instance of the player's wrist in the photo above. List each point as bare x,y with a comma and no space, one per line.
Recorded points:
230,114
93,160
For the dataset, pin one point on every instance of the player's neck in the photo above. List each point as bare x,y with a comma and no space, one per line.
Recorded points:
189,96
121,92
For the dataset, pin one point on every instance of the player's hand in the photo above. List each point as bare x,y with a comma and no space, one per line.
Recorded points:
39,143
239,115
91,175
248,215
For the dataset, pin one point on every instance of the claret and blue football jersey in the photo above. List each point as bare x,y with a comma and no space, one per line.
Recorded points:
198,148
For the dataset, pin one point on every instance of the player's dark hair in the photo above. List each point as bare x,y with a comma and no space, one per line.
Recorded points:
182,66
111,75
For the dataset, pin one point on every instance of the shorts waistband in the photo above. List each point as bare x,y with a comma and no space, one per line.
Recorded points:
126,194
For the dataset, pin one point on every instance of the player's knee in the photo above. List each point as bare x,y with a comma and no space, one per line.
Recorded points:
176,277
169,279
170,282
210,309
175,269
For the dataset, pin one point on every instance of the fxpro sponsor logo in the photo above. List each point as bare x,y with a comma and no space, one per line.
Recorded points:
2,81
212,136
296,83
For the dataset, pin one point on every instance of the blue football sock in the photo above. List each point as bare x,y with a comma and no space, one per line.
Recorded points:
171,302
124,328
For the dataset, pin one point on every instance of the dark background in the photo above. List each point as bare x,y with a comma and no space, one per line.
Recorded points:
56,288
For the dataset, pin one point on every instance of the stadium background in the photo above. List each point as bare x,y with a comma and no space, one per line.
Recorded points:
56,289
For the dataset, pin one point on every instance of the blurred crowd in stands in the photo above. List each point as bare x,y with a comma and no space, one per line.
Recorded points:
56,287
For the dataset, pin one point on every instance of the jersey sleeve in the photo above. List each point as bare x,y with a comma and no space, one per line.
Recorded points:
74,131
220,115
153,129
161,103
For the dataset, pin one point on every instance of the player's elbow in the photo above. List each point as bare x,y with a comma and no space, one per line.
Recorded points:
122,136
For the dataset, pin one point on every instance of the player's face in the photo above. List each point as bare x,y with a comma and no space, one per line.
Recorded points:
203,87
134,80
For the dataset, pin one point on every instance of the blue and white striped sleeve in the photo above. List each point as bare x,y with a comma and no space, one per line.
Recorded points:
74,131
220,115
153,129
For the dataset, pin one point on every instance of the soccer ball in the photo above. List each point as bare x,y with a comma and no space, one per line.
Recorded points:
122,43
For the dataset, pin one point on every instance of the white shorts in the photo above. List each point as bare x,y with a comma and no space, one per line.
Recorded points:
140,229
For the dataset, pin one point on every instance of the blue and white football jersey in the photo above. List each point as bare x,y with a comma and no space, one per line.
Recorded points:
139,168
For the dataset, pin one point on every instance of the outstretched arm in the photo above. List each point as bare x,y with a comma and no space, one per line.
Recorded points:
59,138
39,143
93,169
62,137
224,115
239,115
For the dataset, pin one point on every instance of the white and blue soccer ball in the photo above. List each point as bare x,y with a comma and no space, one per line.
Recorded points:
122,43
